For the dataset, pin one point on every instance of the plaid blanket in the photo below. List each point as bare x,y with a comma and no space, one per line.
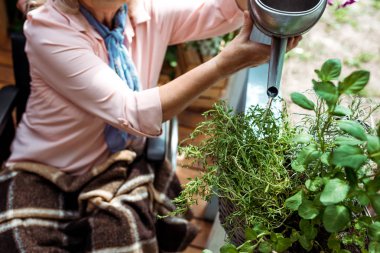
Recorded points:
112,208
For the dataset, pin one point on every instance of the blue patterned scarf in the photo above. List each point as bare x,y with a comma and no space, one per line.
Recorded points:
121,62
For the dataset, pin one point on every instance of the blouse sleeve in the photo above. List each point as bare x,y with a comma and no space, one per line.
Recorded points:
184,20
64,59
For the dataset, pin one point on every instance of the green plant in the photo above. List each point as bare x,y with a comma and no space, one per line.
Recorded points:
340,158
297,188
358,60
244,159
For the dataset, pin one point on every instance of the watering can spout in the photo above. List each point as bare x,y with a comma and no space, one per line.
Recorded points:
282,19
276,63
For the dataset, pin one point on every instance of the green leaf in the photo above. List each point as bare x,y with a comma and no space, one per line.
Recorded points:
228,248
336,218
348,156
282,244
302,101
306,156
297,166
250,234
207,251
343,140
362,197
354,83
330,70
265,247
375,202
373,147
340,110
315,184
364,221
373,186
304,225
374,247
307,210
246,247
295,201
311,233
374,231
353,128
325,158
335,191
326,91
302,138
260,229
333,243
294,236
307,244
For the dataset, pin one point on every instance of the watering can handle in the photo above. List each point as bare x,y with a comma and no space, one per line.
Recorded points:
278,50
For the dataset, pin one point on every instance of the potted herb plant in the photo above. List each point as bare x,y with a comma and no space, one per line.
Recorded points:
308,187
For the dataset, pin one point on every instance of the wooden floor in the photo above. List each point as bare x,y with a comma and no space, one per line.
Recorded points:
6,72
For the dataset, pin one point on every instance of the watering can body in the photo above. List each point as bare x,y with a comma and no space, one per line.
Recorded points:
281,19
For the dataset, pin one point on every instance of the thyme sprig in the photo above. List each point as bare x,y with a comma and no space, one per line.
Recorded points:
246,161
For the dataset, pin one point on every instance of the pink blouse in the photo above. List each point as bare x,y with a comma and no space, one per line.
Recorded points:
74,92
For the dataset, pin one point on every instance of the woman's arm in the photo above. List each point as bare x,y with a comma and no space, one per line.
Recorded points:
64,60
241,53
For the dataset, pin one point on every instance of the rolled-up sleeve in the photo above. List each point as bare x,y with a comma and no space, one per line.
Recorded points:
64,59
183,20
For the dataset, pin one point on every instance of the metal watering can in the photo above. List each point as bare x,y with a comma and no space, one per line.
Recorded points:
281,19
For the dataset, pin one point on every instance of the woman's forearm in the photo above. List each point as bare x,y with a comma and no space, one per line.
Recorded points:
182,91
241,53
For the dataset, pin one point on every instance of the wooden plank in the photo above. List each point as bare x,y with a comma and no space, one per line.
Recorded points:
6,57
184,173
184,137
200,240
202,104
192,250
183,133
187,57
6,74
221,83
4,38
212,92
190,119
163,79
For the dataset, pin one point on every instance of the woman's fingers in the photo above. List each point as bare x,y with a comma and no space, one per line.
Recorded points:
246,30
293,42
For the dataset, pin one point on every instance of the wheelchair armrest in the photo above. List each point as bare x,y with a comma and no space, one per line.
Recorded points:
8,96
156,147
164,146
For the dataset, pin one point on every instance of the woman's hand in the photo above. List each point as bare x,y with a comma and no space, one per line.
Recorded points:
242,4
242,52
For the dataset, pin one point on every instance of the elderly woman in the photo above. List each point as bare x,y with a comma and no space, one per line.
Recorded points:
77,179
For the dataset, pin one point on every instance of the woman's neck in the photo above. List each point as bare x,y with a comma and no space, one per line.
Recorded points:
103,11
